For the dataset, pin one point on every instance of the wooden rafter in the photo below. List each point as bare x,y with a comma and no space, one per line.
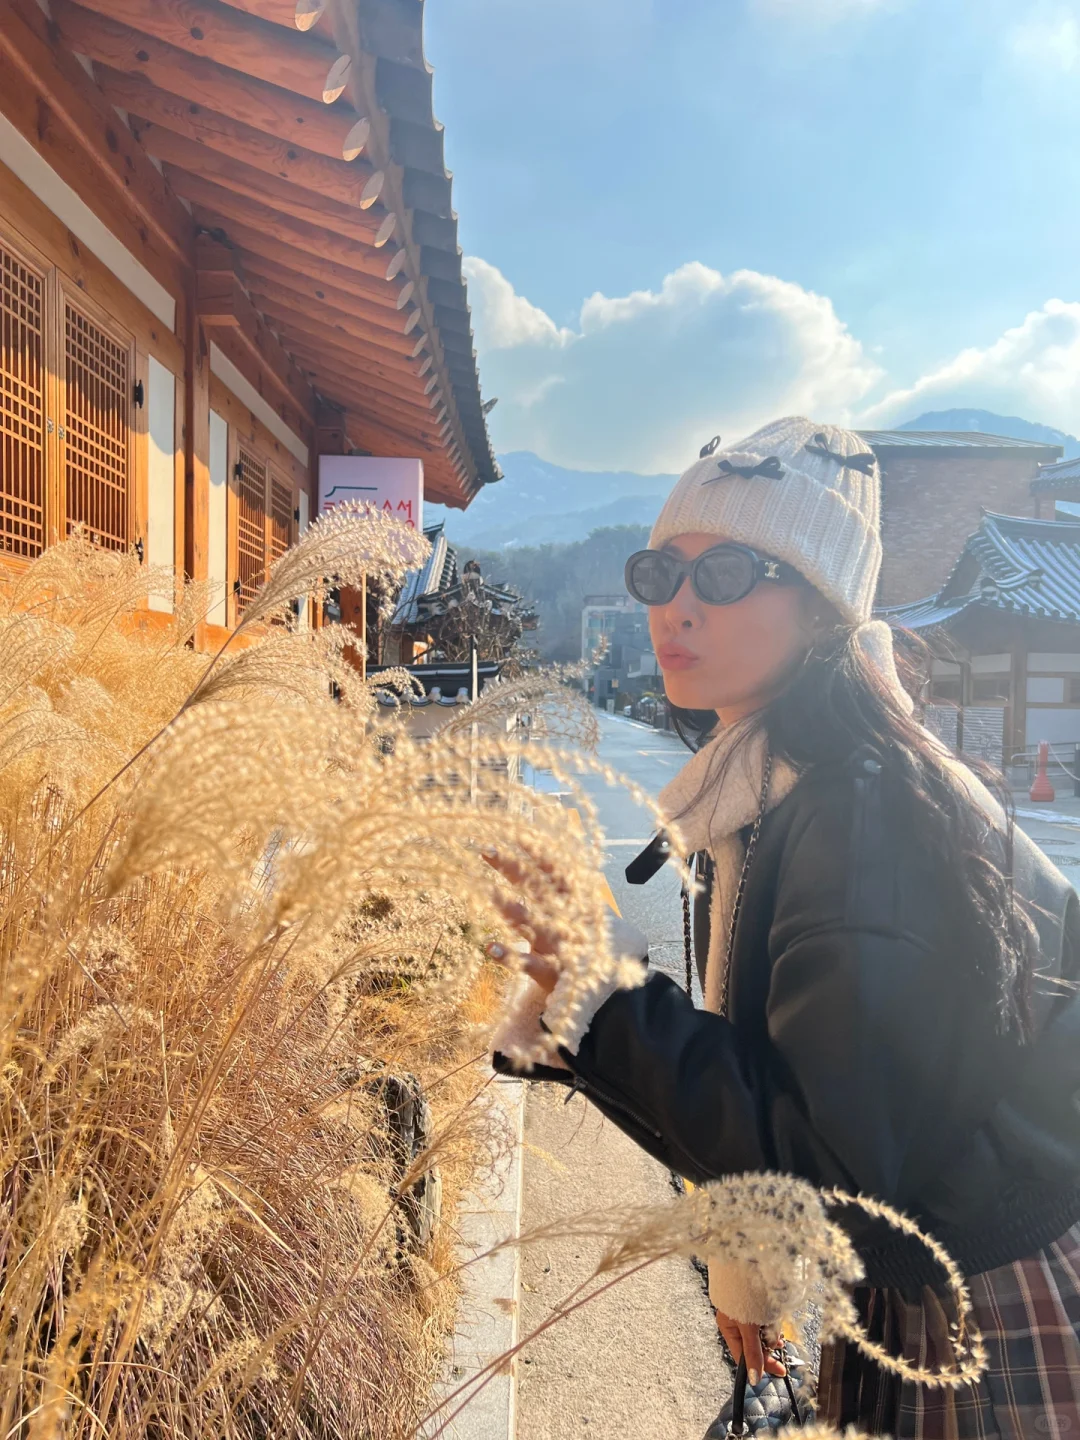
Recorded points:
377,412
229,39
336,357
378,408
318,127
338,180
386,321
48,96
279,12
218,208
218,177
379,364
394,440
325,317
257,247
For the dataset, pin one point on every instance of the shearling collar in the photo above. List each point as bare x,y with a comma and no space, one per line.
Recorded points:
718,791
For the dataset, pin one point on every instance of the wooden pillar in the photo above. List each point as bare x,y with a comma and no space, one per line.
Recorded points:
329,431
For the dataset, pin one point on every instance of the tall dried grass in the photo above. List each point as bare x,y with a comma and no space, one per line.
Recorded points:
223,897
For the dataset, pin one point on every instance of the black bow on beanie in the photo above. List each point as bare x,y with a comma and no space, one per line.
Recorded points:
707,450
769,469
863,462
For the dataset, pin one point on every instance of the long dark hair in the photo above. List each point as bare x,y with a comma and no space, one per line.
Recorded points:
835,705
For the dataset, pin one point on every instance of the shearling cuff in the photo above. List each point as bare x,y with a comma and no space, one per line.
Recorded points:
568,1014
537,1025
520,1035
736,1289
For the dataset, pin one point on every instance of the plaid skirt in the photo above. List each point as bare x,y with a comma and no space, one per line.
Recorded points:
1029,1316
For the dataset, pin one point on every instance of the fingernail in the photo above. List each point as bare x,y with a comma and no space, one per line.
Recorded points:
497,952
754,1376
488,851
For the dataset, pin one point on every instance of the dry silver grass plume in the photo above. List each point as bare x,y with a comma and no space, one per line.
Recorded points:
340,548
77,580
540,705
771,1248
287,666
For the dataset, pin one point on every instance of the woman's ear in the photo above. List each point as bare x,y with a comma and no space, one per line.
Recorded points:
819,617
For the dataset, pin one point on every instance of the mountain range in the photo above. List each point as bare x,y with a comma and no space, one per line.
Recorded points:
540,503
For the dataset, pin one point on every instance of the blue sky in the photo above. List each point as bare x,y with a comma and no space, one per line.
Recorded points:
686,216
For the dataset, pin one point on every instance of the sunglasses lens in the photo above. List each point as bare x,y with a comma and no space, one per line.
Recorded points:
724,575
652,577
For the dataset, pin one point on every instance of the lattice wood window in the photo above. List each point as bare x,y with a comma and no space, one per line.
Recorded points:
281,517
251,478
22,408
264,522
96,430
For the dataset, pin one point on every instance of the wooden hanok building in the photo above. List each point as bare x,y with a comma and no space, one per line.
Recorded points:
227,246
443,607
1004,632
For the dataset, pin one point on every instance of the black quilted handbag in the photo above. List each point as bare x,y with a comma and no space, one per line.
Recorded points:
766,1408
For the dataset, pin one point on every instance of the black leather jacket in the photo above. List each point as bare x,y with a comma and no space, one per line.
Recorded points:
863,1047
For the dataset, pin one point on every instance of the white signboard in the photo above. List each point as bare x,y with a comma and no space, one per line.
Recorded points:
395,487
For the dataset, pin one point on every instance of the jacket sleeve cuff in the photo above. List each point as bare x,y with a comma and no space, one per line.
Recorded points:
537,1026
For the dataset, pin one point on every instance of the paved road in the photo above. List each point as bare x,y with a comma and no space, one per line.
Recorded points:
642,1360
1056,830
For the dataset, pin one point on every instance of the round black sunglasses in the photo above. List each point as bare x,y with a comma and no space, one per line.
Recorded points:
719,576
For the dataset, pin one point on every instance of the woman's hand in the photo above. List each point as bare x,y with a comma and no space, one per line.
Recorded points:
756,1342
537,967
541,962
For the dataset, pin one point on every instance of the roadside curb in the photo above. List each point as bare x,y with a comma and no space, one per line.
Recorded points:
488,1314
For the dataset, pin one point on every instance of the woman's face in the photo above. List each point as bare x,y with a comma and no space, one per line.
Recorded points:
728,658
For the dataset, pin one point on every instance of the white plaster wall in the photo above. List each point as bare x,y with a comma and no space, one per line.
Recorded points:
218,541
161,477
1059,726
21,157
303,502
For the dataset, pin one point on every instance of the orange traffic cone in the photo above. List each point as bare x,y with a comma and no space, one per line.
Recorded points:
1042,790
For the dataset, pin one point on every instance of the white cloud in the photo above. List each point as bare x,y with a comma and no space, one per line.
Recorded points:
501,317
1032,370
1048,39
644,379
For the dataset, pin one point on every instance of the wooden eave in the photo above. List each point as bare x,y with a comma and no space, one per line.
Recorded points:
328,269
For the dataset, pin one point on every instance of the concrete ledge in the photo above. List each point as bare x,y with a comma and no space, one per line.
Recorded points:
490,1304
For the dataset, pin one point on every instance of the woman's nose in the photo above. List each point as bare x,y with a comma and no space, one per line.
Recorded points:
684,611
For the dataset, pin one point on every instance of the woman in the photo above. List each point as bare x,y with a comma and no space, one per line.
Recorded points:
886,971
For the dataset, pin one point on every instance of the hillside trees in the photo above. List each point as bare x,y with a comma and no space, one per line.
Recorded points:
556,579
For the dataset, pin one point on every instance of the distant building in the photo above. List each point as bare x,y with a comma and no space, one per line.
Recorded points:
935,485
1057,490
443,607
599,616
618,627
1004,633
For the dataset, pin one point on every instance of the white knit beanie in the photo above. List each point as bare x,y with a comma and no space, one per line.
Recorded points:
785,490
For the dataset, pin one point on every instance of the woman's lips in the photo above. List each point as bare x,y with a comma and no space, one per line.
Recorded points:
674,657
